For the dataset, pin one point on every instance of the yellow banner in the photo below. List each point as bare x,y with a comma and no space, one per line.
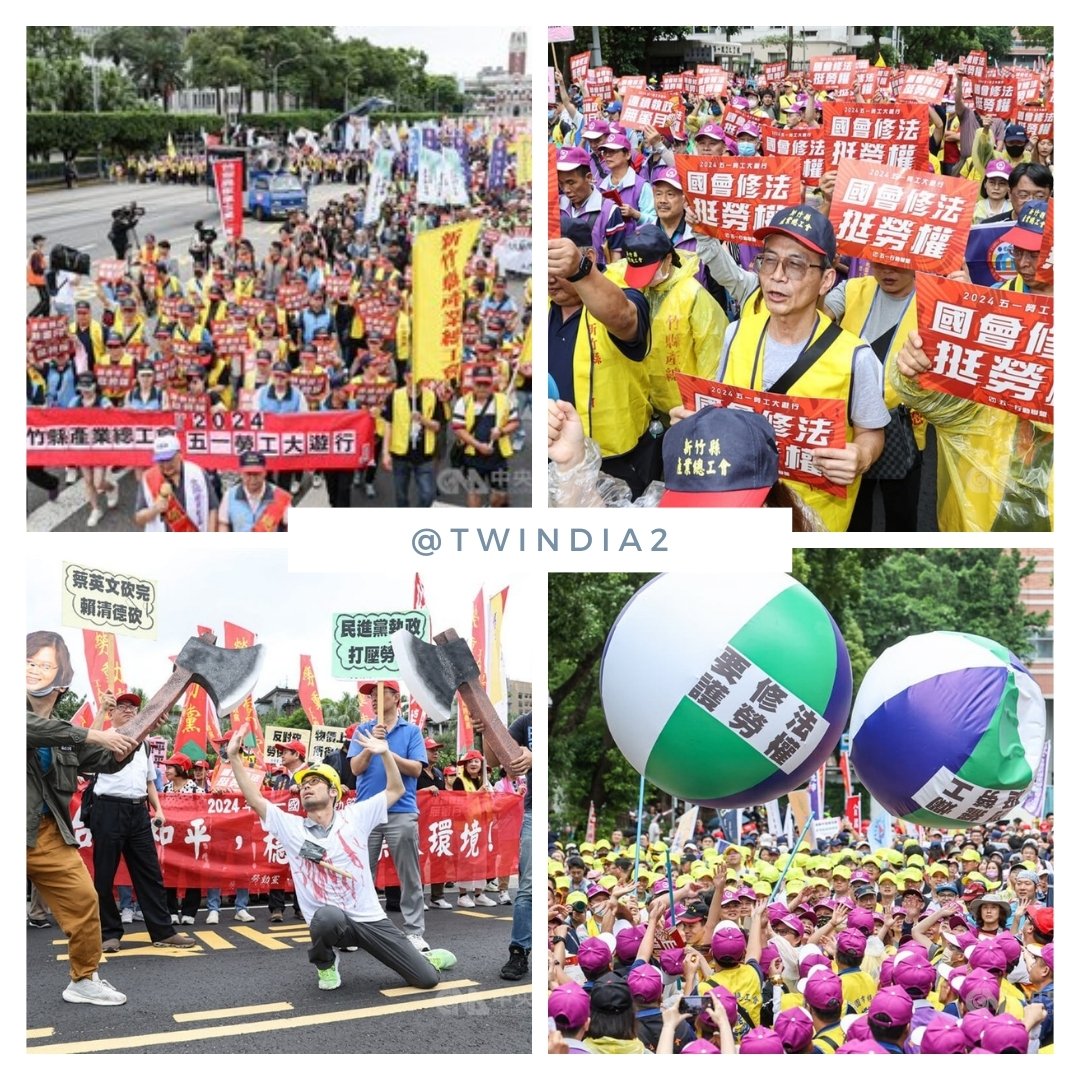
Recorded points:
522,147
439,257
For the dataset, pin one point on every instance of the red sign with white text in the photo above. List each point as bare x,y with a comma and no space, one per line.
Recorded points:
989,345
832,72
47,338
1037,121
712,80
804,144
643,108
773,73
917,220
994,95
229,183
923,87
802,425
884,134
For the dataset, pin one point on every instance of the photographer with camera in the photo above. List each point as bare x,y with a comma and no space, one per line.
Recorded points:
123,224
202,245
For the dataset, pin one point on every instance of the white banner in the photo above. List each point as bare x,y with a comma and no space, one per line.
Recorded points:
684,828
429,177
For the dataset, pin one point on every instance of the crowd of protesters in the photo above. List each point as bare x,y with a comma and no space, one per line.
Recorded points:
157,331
941,943
633,270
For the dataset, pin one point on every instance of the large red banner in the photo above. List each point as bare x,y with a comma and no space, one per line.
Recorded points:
989,345
805,144
802,425
916,220
1037,121
994,94
643,109
832,72
229,183
712,80
217,841
884,134
734,196
554,224
923,87
102,664
125,437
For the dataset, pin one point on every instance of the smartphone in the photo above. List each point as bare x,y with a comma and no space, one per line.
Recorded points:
692,1003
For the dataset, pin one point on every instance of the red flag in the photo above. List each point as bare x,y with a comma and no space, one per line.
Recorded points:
229,182
212,726
590,829
845,772
367,705
236,637
477,637
192,729
309,693
102,664
416,713
84,717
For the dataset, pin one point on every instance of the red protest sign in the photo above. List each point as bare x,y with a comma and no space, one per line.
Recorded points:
1037,121
310,383
994,95
773,73
802,425
733,118
1044,272
337,286
912,219
643,108
672,80
184,401
989,345
689,82
229,183
974,64
292,297
805,144
553,229
579,67
115,379
712,80
924,87
734,196
886,134
632,82
1028,87
603,78
47,338
110,271
832,72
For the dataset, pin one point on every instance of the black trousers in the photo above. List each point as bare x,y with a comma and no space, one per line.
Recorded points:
42,306
339,486
122,827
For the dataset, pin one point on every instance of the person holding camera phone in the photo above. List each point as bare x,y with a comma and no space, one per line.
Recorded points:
121,826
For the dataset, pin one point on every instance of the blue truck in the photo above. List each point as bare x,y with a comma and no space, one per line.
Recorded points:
273,194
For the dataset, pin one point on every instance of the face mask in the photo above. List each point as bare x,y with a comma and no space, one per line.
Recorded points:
1019,974
41,693
747,149
598,911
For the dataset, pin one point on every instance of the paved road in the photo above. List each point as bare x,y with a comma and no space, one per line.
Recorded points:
249,988
80,218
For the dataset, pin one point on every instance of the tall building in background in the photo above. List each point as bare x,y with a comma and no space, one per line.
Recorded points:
1037,595
518,45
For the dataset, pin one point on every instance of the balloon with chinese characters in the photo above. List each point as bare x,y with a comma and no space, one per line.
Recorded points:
948,729
725,690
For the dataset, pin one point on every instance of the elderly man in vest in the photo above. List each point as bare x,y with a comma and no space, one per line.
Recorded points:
175,495
484,421
580,200
254,505
409,441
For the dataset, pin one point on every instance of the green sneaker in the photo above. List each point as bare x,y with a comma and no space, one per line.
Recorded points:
441,959
329,978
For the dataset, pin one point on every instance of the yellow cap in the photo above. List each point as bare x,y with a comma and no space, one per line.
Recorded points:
839,870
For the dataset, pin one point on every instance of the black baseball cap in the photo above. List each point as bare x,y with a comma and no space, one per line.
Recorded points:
808,226
645,251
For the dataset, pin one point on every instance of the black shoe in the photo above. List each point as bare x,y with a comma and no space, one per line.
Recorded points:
40,924
517,967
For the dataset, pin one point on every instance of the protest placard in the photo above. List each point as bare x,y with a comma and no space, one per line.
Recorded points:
647,108
108,600
832,72
885,134
47,338
361,647
774,72
989,345
994,94
712,80
923,87
579,67
806,145
1036,120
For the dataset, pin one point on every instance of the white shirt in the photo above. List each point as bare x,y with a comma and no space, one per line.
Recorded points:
130,782
346,848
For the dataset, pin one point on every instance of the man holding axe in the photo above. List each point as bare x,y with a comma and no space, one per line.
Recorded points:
333,879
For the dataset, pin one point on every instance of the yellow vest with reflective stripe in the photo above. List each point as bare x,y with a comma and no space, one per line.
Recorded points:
401,420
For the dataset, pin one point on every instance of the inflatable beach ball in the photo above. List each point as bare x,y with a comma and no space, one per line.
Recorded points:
726,691
948,728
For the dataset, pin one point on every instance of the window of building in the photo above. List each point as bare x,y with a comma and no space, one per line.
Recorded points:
1042,644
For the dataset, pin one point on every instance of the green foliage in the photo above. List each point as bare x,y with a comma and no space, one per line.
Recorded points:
152,55
52,43
625,49
922,45
118,133
1036,36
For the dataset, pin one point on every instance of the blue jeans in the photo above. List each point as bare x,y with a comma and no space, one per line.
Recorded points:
425,482
127,897
521,930
213,899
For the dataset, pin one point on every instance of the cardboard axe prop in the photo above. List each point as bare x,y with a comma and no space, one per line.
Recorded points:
434,673
227,676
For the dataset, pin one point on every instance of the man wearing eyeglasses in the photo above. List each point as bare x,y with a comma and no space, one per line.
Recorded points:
401,829
783,344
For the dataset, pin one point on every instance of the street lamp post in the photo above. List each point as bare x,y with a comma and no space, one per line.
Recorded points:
355,71
280,64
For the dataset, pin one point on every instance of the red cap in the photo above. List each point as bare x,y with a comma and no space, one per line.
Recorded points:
369,687
430,744
471,755
295,745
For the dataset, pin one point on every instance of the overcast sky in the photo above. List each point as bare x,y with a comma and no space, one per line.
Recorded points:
451,50
289,613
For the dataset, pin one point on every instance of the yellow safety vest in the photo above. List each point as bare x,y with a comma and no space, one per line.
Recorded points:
828,377
611,391
687,330
97,338
401,421
403,336
502,416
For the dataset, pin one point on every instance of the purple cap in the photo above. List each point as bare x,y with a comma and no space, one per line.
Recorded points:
645,982
1003,1033
1048,954
823,989
862,920
660,886
980,989
917,975
890,1007
594,956
885,975
671,961
962,941
795,1028
668,175
973,1023
999,168
739,103
616,141
744,892
728,1000
859,1028
597,890
1010,948
749,128
989,956
812,960
943,1035
851,941
861,1046
859,875
627,942
777,911
596,129
699,1046
729,941
711,131
730,896
792,922
571,157
568,1006
761,1040
768,954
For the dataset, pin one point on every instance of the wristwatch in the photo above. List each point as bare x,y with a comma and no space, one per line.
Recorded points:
583,270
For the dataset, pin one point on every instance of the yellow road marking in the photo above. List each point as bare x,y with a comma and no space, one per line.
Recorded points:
39,1033
478,915
260,937
241,1010
213,940
280,1023
409,991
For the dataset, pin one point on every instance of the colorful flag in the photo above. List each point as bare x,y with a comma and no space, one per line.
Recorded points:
236,637
416,713
845,772
477,645
193,726
309,693
84,715
102,664
497,689
170,146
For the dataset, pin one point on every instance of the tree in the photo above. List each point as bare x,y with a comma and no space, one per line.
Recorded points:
152,55
1036,36
626,49
922,45
52,43
217,59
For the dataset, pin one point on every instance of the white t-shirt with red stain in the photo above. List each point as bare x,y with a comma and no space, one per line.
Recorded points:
346,846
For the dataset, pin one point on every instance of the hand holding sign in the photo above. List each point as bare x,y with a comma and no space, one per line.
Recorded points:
911,361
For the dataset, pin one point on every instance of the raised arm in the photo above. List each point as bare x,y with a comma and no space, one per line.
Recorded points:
247,787
395,786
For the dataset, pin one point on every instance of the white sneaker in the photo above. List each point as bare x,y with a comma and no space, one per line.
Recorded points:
369,490
504,899
243,915
93,991
137,915
212,918
491,886
483,900
441,903
418,942
466,901
95,516
112,497
316,480
71,474
188,920
175,920
127,915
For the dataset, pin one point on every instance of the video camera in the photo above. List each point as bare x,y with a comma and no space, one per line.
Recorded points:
126,216
206,236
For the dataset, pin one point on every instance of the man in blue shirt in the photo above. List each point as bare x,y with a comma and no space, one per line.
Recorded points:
401,831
